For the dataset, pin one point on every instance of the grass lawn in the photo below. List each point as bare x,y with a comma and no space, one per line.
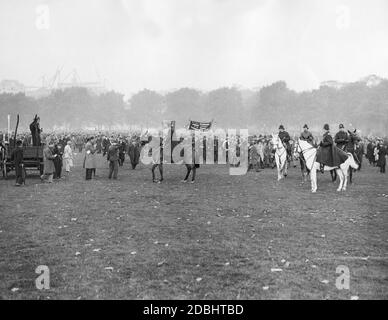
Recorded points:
216,239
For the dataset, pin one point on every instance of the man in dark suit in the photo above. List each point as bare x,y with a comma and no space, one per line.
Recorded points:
35,131
134,153
306,135
113,158
382,152
285,138
17,158
58,151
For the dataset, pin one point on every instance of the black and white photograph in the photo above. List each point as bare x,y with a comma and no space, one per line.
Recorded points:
193,150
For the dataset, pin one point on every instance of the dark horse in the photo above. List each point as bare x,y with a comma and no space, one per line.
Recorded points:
191,166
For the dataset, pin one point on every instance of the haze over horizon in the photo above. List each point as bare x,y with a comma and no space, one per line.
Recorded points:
205,44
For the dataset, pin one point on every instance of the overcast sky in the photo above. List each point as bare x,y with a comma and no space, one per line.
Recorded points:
206,44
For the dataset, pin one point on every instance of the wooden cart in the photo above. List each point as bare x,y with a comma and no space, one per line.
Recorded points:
32,158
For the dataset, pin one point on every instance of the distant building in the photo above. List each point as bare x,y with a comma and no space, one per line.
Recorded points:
11,86
372,80
333,84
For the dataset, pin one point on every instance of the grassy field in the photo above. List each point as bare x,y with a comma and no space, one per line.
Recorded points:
216,239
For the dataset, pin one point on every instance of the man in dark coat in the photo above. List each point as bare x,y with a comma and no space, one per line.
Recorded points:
134,153
113,158
306,135
58,151
122,150
35,131
369,152
105,145
382,152
17,158
285,138
341,138
328,154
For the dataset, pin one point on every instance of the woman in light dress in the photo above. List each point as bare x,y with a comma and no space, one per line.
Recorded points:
68,157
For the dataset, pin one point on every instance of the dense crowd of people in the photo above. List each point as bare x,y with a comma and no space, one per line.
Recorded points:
59,149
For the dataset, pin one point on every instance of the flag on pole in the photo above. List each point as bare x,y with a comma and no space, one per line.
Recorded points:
197,125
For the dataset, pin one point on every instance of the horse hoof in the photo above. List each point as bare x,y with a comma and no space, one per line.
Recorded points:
338,190
192,181
184,181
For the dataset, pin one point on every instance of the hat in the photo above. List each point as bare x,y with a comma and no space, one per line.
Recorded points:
341,126
326,127
305,126
281,127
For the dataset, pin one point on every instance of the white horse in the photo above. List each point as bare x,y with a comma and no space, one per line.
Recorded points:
310,154
280,156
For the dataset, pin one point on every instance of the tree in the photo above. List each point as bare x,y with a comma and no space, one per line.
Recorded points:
147,107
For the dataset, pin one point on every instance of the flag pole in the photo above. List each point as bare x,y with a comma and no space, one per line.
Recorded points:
9,128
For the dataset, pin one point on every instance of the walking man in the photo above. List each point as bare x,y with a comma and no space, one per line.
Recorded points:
17,157
48,161
113,158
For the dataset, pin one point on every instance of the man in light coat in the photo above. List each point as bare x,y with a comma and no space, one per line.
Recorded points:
68,157
89,161
48,162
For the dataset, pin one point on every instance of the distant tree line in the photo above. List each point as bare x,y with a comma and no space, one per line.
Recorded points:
363,107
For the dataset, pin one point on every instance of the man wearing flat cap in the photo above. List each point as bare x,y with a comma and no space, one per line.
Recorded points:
341,138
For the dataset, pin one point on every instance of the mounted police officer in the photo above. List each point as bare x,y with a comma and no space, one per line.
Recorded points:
325,154
341,138
328,154
285,138
306,135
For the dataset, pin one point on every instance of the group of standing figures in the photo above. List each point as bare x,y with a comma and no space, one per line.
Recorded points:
114,150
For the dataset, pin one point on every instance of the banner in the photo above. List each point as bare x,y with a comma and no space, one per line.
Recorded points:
196,125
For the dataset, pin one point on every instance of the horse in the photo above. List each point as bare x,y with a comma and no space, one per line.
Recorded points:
303,167
157,162
280,156
310,154
299,156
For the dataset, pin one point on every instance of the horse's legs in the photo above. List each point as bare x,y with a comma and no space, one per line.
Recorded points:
153,172
188,169
285,169
341,176
194,171
350,174
333,174
161,171
345,173
313,178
